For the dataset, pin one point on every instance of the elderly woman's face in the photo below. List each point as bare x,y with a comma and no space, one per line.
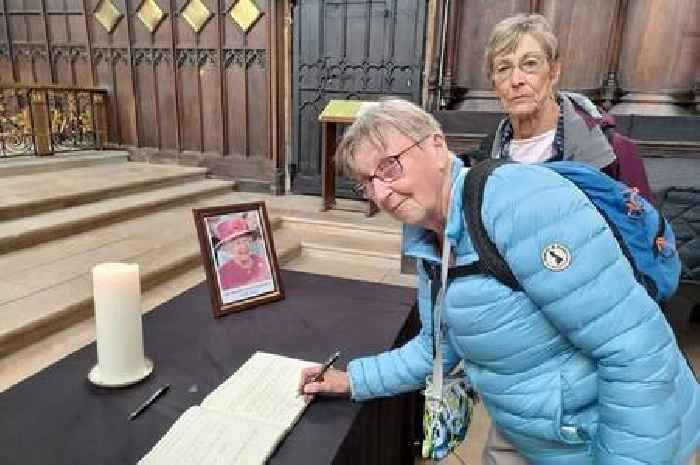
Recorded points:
415,194
240,246
523,79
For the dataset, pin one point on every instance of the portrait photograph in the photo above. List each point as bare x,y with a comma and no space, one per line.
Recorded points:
239,256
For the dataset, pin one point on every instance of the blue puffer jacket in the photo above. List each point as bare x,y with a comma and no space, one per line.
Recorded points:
581,368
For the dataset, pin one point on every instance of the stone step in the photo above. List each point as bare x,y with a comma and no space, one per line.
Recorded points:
16,166
342,237
350,266
24,232
59,293
335,225
31,194
351,247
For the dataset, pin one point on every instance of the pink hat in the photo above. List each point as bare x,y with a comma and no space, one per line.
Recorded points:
230,229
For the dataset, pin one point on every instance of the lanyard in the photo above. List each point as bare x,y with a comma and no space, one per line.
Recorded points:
437,321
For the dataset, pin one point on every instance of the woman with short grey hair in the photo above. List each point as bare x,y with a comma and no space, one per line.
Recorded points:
577,367
521,61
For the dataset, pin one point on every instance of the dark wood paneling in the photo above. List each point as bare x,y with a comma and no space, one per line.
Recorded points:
82,70
71,5
146,102
584,31
7,69
104,75
660,46
128,23
59,32
258,123
126,107
210,79
477,19
171,26
237,111
167,109
190,123
64,72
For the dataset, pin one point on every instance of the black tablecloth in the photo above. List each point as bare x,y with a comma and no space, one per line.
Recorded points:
57,417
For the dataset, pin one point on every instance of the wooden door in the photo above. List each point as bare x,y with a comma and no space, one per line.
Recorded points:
349,49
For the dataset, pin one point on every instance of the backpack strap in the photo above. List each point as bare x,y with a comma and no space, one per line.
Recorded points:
478,154
490,260
606,122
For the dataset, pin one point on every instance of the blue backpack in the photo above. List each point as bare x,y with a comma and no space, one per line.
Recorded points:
646,239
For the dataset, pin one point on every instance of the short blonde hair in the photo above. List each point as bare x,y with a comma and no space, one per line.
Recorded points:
508,33
375,118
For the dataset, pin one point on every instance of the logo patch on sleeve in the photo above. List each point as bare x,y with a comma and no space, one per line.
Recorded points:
556,257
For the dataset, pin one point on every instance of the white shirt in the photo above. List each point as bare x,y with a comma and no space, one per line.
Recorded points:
534,149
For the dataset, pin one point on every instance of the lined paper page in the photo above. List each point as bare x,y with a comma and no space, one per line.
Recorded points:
241,421
265,388
207,437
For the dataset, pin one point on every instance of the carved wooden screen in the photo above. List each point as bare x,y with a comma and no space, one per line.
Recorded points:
187,76
349,49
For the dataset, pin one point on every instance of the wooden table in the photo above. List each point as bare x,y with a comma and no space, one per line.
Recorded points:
335,113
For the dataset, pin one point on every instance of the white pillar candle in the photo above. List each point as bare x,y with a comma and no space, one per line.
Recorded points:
117,296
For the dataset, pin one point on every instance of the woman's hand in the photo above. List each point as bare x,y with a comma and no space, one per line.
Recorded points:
334,382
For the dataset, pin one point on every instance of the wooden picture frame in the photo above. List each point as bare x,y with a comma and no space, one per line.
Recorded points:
239,256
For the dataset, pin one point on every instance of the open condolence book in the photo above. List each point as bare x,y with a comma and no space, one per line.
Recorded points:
241,421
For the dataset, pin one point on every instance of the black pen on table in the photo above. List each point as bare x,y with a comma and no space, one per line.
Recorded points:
331,360
148,402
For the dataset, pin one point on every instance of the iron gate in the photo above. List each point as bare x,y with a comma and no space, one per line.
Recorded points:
349,49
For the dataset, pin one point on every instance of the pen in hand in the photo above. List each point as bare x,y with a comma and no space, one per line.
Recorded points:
319,376
148,402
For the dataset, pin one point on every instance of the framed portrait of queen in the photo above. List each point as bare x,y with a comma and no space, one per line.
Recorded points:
239,256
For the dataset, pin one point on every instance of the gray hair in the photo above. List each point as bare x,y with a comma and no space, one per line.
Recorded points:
508,33
374,119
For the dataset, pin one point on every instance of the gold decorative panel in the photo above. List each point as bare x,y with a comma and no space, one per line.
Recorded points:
244,13
150,14
196,14
107,14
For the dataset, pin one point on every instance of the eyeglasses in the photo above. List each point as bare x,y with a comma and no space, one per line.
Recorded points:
530,64
389,169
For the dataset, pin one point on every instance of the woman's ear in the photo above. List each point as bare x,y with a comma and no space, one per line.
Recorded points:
440,151
554,73
439,140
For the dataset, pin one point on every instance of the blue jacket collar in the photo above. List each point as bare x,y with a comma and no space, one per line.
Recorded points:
419,242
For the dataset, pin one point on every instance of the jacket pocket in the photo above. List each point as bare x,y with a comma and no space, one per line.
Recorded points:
568,427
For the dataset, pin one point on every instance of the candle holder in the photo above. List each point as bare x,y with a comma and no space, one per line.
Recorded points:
117,297
95,378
